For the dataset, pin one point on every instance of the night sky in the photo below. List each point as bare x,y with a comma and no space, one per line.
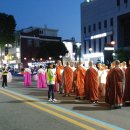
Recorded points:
63,15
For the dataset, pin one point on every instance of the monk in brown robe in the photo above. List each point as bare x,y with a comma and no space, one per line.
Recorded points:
126,97
68,79
92,83
59,72
115,86
108,82
79,80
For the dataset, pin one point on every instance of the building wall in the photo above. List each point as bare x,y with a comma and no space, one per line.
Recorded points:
99,11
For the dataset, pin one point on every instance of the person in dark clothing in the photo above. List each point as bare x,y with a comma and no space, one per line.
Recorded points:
4,78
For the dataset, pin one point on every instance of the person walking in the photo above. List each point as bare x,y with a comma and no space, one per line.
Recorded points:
41,81
92,83
115,87
51,75
4,78
27,77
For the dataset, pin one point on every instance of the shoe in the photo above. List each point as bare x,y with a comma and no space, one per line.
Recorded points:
54,100
64,95
50,100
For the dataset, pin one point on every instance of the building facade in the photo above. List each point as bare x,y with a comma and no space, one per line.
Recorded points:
35,45
104,22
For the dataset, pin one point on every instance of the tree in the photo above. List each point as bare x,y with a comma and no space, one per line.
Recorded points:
7,29
122,55
53,50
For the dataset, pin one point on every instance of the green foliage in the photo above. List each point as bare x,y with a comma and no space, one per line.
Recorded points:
53,50
122,55
7,29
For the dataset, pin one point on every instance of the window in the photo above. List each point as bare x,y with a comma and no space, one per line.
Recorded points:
89,43
99,25
94,27
105,23
37,43
105,40
94,45
111,22
29,42
100,45
89,28
111,37
125,1
118,2
84,47
84,30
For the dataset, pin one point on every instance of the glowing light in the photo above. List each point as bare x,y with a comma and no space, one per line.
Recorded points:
109,48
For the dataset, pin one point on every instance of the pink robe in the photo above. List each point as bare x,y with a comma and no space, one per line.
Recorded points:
41,81
27,79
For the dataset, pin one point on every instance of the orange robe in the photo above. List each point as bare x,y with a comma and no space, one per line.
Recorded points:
74,80
91,84
59,74
126,96
68,79
115,87
79,81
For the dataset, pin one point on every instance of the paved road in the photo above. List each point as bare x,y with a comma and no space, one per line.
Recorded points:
27,109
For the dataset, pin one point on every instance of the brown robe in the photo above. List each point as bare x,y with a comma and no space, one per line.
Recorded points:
91,84
115,86
126,96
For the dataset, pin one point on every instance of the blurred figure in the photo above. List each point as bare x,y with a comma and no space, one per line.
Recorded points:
103,80
41,81
124,66
27,77
91,83
9,75
126,97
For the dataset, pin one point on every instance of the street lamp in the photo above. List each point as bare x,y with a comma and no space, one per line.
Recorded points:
50,58
90,50
113,45
60,56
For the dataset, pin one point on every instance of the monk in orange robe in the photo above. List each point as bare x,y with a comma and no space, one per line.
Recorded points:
79,80
115,86
92,83
59,72
126,97
68,79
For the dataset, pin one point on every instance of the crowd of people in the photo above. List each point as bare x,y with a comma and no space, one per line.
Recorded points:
90,83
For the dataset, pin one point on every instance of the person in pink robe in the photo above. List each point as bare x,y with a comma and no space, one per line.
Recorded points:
41,81
27,77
